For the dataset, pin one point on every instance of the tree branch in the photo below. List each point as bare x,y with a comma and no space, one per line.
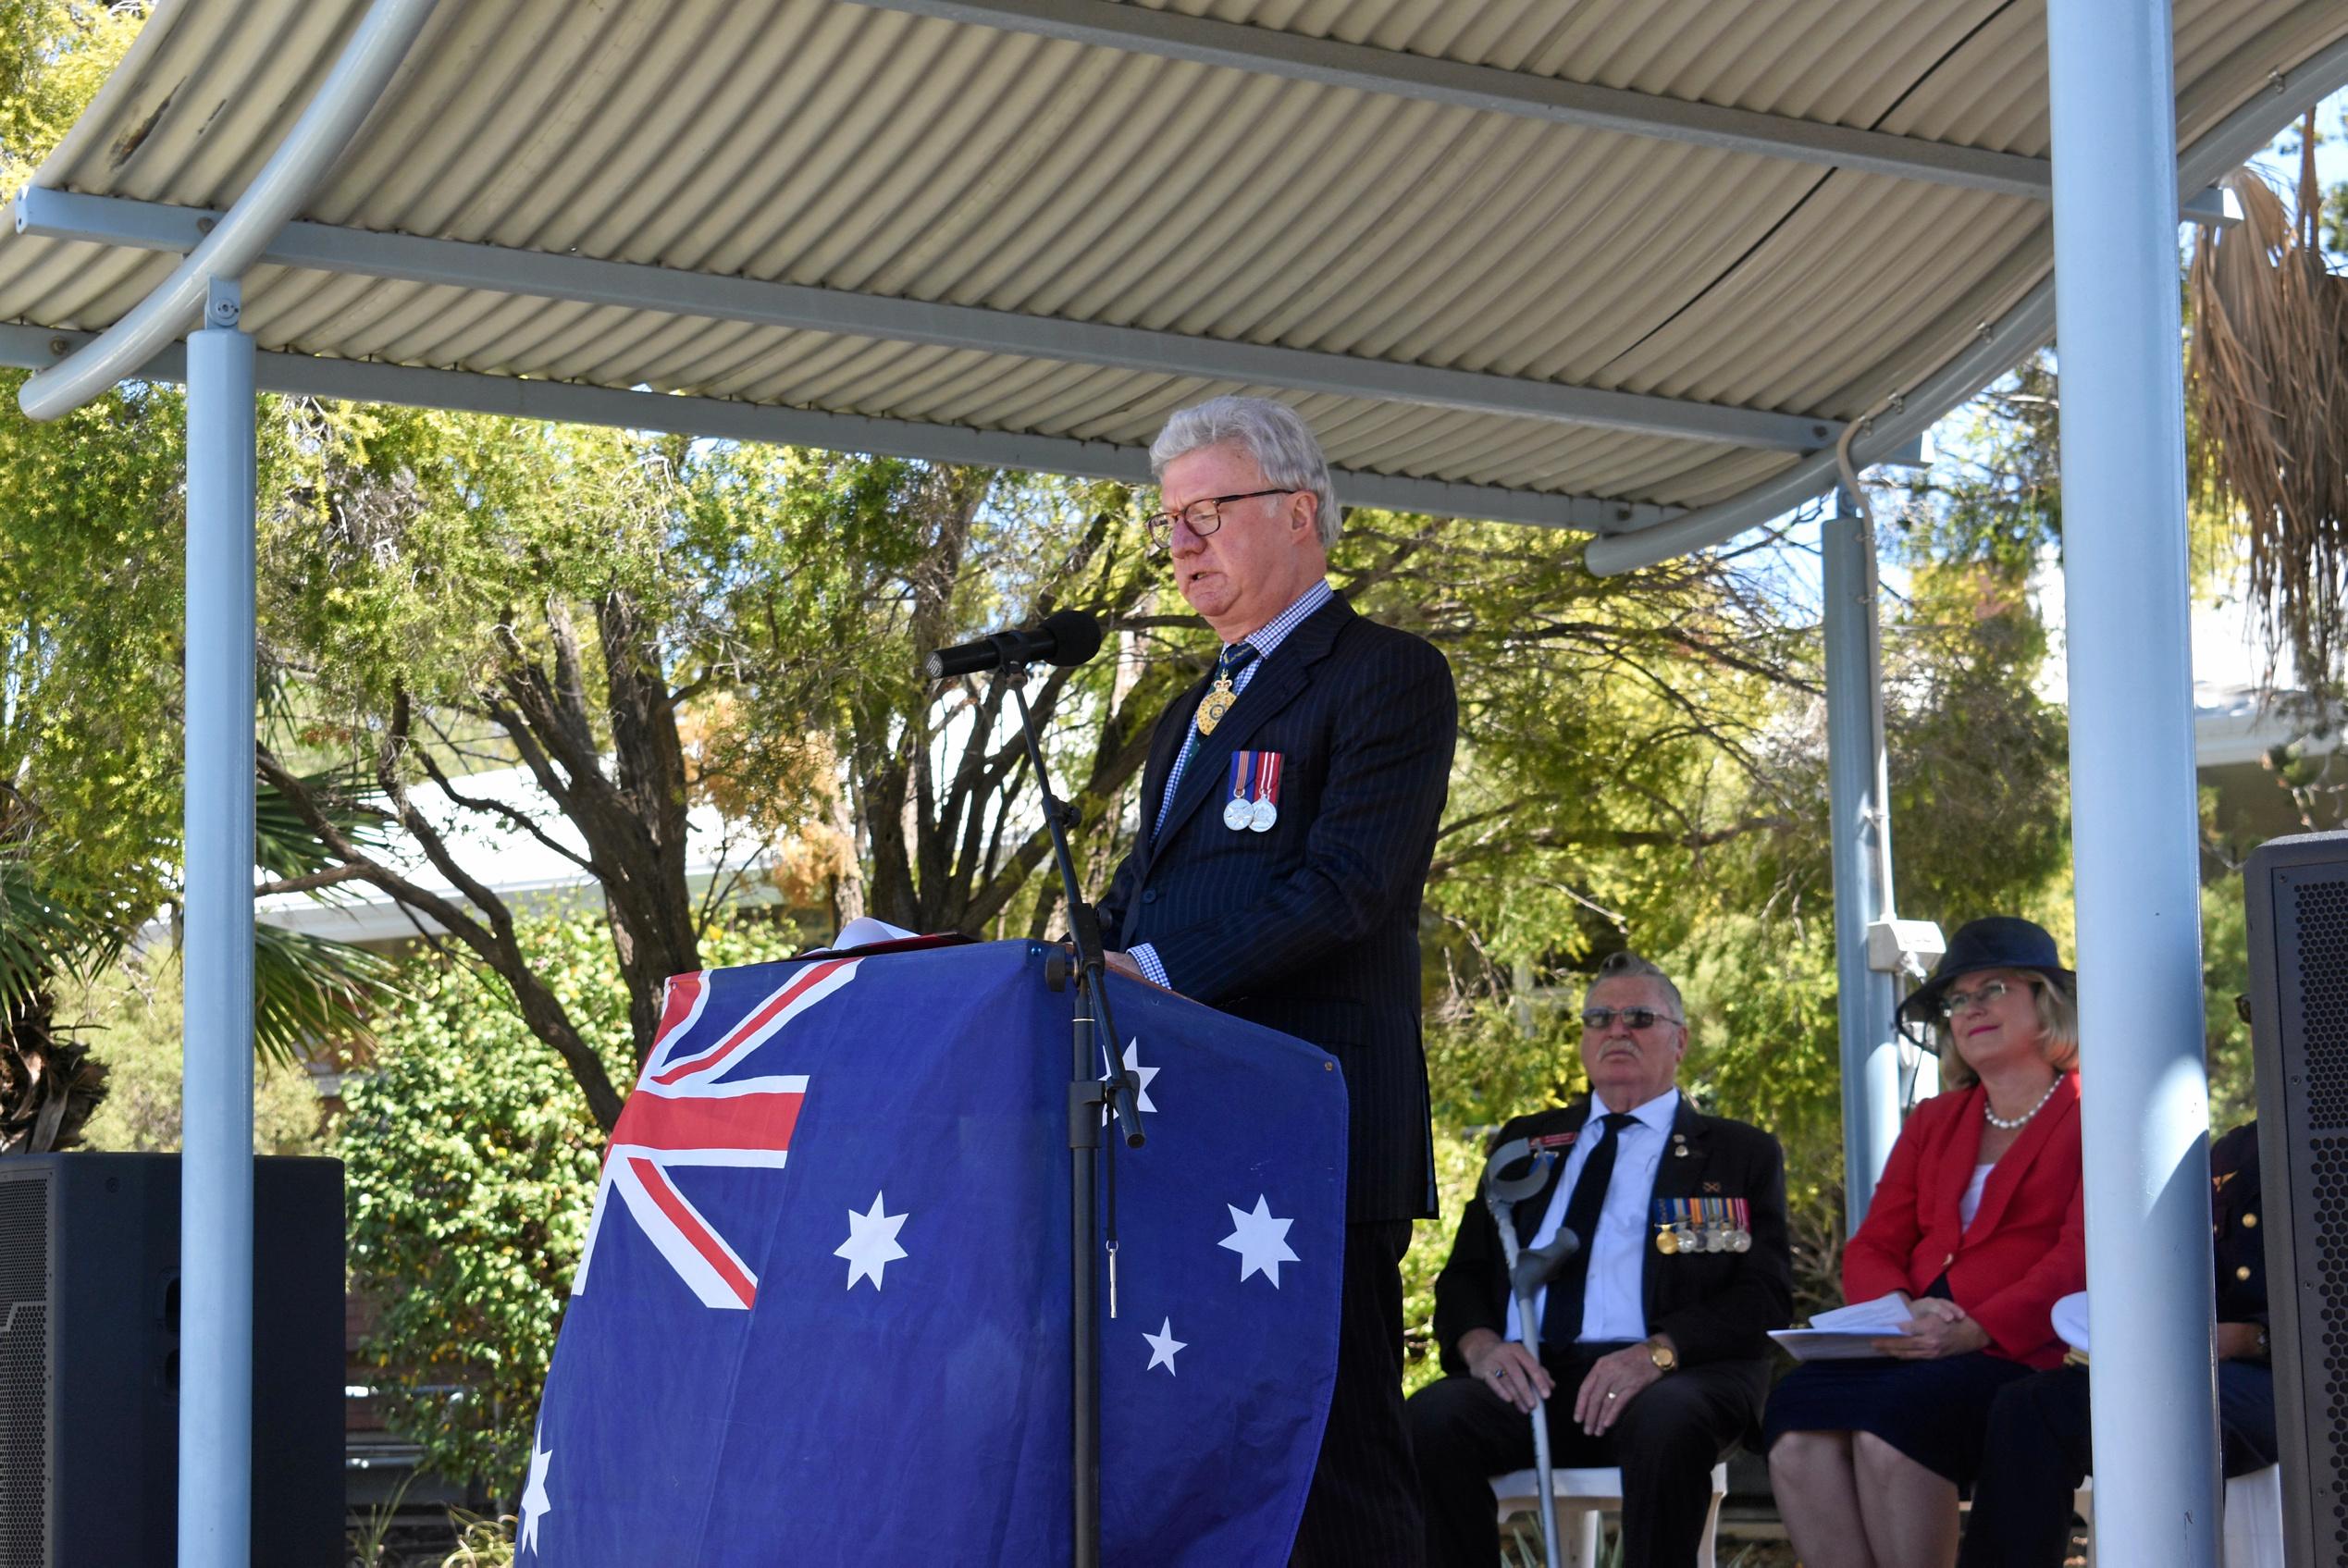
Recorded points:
332,877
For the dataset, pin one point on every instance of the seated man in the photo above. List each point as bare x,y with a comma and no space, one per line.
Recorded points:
1654,1354
2037,1449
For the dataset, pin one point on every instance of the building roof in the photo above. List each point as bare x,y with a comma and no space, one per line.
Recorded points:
1600,265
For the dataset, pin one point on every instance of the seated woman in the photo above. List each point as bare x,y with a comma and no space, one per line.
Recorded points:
1978,1219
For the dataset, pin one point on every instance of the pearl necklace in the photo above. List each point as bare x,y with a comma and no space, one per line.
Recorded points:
2002,1124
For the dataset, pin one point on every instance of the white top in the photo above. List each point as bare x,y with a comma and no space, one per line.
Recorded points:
1610,1305
1969,1204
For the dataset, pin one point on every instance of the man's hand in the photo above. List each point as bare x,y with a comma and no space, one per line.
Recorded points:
1614,1380
1121,962
1939,1329
1505,1367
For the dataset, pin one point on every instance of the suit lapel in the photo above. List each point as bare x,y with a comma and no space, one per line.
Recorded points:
1166,744
1288,672
1533,1210
2006,1175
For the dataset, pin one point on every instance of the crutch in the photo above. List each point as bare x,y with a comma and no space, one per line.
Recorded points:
1530,1268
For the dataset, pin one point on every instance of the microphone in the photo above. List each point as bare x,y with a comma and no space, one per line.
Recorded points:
1066,637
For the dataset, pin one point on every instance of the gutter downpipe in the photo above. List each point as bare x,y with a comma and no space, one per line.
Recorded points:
1858,800
216,1173
2135,850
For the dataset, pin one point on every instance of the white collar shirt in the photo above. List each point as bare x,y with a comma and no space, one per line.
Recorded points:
1613,1307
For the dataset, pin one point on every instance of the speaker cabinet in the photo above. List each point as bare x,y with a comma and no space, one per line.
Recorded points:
2297,892
91,1351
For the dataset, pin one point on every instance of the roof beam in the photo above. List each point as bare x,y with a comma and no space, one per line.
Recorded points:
571,403
1332,63
114,220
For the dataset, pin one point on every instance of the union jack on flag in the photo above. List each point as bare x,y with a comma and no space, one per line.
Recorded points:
686,1112
822,1314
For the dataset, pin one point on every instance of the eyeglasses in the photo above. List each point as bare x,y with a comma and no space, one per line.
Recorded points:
1990,992
1203,516
1633,1017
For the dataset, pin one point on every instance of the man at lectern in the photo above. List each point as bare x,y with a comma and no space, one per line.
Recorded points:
1289,812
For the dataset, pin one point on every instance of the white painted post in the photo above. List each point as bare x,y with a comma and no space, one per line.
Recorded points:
1859,806
2135,844
216,1172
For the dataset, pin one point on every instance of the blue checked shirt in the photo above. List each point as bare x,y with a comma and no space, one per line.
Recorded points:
1274,633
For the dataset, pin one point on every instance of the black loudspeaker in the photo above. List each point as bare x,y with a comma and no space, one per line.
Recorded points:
2297,894
90,1357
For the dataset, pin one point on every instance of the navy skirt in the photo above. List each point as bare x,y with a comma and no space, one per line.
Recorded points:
1935,1412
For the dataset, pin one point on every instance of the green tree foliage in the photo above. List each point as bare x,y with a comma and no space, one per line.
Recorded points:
638,622
90,575
54,55
135,1008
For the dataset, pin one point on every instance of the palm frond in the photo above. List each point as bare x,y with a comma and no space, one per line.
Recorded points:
44,935
283,845
2269,387
307,990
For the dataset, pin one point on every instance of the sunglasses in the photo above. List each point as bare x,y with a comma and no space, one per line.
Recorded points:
1633,1017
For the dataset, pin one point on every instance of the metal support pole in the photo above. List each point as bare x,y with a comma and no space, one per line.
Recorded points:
1858,800
2135,847
216,1194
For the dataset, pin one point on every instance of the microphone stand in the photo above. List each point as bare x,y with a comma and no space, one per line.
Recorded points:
1091,1092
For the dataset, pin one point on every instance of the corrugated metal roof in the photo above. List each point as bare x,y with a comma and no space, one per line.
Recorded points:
855,148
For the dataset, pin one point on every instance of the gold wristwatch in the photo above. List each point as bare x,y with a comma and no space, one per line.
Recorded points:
1665,1358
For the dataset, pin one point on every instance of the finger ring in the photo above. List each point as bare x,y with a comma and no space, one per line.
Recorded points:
1610,1393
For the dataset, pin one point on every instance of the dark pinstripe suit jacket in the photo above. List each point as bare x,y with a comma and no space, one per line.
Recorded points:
1312,928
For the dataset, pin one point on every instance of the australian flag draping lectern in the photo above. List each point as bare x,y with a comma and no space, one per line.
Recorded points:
822,1314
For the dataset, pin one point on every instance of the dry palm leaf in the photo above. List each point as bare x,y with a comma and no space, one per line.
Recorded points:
2269,388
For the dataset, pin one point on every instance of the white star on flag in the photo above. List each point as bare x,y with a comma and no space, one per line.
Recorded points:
535,1504
1260,1240
871,1244
1163,1344
1133,1065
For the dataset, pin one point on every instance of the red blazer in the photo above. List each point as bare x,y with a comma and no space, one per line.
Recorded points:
2027,1247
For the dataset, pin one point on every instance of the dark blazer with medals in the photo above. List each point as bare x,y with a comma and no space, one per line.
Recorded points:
1716,1307
2234,1209
1312,927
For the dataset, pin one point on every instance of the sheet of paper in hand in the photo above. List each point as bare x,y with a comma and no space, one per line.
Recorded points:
1847,1333
2069,1318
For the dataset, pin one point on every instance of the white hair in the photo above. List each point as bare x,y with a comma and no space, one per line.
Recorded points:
1272,433
1630,966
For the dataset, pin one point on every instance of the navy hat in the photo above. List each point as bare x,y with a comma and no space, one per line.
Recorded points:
1993,942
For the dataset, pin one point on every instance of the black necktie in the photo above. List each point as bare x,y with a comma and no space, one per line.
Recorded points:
1561,1316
